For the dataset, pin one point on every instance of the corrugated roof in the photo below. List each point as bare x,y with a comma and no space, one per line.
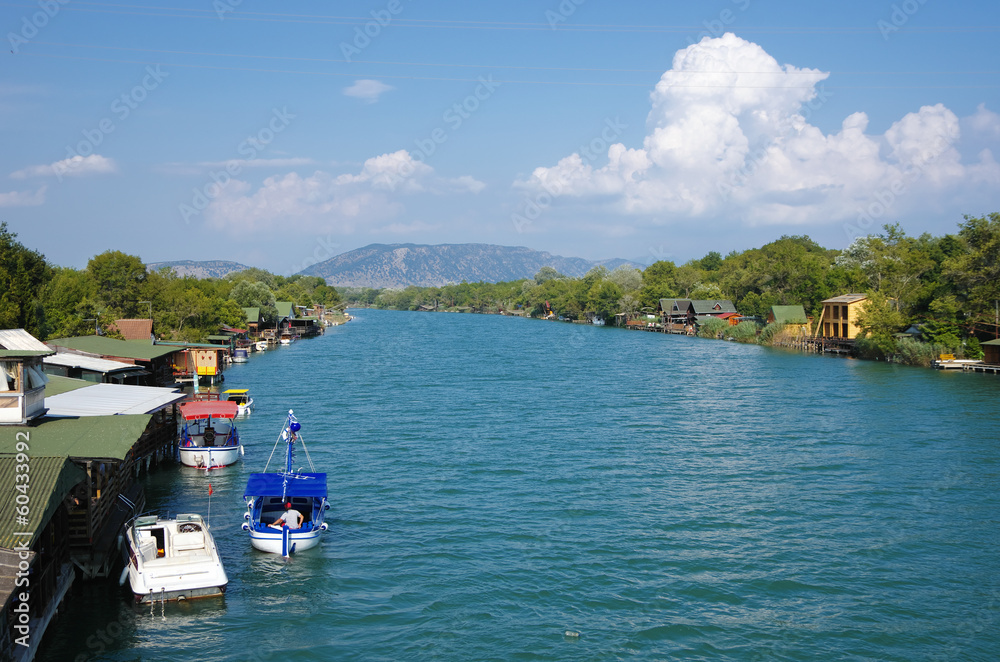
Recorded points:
51,480
58,384
284,308
111,399
105,366
87,438
134,329
253,314
846,298
990,343
141,350
21,339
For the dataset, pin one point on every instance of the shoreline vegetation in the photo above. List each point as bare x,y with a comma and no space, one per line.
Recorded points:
925,296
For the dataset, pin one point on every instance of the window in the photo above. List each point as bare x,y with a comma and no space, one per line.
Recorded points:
844,335
843,313
826,328
836,312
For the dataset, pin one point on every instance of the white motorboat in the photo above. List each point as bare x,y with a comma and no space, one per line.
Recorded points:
171,559
209,438
270,497
241,396
241,355
261,345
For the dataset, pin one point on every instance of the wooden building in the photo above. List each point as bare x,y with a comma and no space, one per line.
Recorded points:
36,570
840,315
793,318
133,329
991,352
156,358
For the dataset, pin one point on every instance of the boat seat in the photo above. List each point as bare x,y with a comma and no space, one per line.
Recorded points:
185,542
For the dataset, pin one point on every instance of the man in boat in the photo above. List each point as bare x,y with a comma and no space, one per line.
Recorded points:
290,518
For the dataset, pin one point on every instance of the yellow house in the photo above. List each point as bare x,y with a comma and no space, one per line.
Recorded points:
840,314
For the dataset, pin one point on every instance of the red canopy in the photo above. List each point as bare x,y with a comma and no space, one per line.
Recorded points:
218,408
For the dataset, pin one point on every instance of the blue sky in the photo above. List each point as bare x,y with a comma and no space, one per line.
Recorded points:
279,135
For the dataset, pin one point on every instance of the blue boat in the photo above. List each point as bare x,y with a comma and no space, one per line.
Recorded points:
285,509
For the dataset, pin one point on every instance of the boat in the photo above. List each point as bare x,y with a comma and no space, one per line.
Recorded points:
286,338
269,496
261,345
241,355
209,438
241,396
171,559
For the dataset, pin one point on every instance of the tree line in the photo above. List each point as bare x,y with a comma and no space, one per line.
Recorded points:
949,285
50,301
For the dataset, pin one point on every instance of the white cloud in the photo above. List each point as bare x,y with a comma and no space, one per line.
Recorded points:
367,90
23,198
76,166
321,200
728,137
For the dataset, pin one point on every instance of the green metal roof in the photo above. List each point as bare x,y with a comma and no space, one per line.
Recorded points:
51,480
284,308
990,342
59,385
141,350
253,314
87,438
23,353
307,318
789,314
221,337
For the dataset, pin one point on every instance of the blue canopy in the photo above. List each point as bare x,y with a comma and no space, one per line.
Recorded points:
299,485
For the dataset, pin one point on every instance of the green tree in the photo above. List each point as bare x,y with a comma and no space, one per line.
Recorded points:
118,280
879,320
975,269
23,273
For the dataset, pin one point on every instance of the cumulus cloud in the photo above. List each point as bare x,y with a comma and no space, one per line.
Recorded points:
367,90
292,201
76,166
23,198
728,136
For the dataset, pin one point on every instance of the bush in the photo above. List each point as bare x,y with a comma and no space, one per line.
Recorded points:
745,331
914,352
973,350
712,327
770,333
874,347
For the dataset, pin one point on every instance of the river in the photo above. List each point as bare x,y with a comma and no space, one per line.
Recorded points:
513,489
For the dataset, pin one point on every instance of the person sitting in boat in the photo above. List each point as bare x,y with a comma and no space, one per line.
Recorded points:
290,518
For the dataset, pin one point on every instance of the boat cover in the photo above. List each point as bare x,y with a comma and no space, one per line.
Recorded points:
192,411
299,485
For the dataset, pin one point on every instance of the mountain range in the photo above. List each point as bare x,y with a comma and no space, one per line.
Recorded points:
401,265
205,269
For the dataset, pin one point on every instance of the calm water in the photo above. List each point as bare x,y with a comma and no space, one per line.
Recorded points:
497,483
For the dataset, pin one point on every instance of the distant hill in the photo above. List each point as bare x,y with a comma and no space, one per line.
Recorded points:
205,269
401,265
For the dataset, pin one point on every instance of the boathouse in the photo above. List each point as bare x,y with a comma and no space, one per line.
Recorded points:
93,369
991,352
36,570
156,358
700,310
792,317
839,318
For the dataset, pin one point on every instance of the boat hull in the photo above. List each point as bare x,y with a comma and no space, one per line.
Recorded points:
204,457
272,542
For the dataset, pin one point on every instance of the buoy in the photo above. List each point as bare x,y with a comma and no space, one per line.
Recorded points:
124,576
